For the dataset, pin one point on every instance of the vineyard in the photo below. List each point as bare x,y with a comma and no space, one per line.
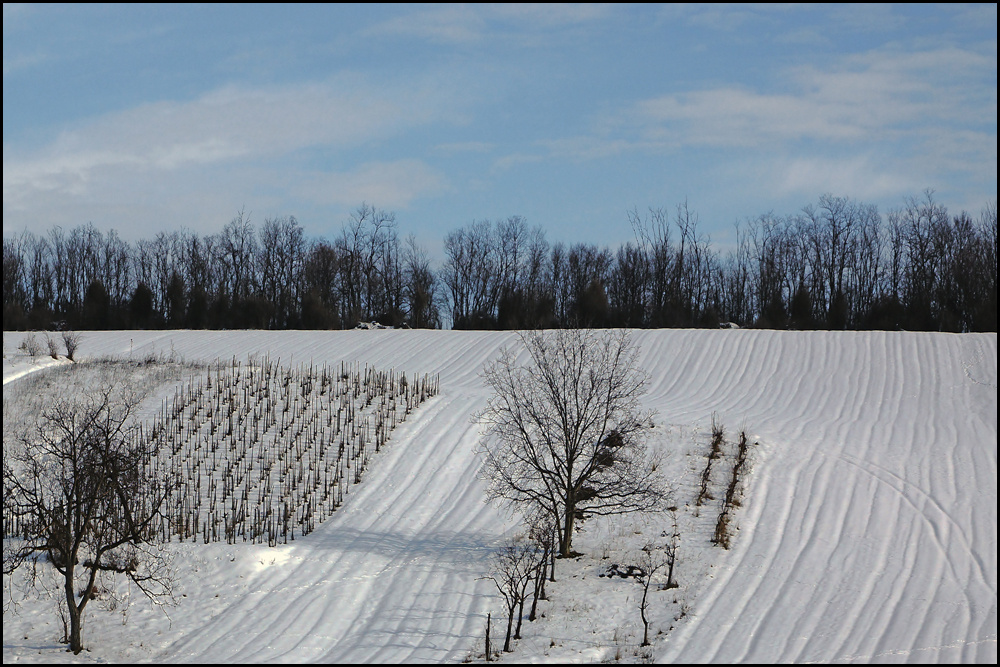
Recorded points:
259,452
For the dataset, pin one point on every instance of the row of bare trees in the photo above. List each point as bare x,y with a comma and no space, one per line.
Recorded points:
273,277
841,264
835,264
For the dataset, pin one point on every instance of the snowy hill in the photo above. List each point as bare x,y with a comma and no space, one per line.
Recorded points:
868,533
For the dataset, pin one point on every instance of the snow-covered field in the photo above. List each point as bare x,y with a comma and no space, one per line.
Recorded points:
868,532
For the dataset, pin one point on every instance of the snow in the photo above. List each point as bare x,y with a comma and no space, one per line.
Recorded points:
867,531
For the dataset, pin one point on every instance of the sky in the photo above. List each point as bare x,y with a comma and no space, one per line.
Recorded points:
142,118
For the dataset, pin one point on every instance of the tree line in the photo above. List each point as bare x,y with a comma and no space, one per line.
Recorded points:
835,264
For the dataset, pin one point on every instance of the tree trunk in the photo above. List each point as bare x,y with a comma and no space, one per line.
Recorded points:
539,590
489,618
642,613
670,572
75,624
510,625
566,547
520,617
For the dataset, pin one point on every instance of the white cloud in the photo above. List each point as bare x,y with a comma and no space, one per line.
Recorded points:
447,24
515,159
737,117
877,126
542,14
872,97
172,163
22,62
875,97
726,18
227,127
14,10
391,185
138,203
589,148
864,177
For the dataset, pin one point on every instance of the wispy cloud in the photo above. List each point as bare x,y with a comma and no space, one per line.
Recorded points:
874,96
392,185
751,19
875,124
247,138
14,10
22,62
466,24
465,147
447,24
515,159
726,18
399,106
863,176
226,125
13,13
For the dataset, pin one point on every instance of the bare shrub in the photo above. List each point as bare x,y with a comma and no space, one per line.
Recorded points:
741,468
718,438
71,342
53,347
30,346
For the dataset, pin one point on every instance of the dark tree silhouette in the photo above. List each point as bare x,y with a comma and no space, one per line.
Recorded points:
564,433
79,493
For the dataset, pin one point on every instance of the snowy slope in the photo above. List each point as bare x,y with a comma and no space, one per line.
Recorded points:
869,533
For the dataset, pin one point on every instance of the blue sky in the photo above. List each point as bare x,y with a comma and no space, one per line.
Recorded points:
147,118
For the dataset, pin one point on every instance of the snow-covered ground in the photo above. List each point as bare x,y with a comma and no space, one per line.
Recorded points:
868,532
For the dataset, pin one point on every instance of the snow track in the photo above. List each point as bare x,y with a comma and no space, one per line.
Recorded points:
869,534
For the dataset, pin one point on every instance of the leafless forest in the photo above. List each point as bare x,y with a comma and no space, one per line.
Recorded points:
835,264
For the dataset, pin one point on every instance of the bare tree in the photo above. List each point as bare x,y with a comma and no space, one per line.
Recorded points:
653,561
589,268
653,237
470,275
77,495
513,567
565,433
320,309
420,291
543,535
238,247
370,276
15,280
